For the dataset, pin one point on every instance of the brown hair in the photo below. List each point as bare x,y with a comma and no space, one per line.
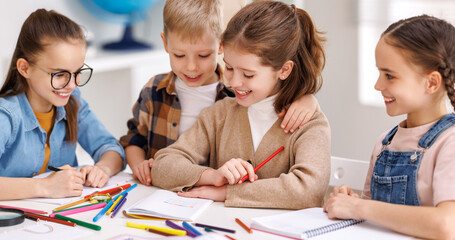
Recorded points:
277,32
191,19
36,32
428,43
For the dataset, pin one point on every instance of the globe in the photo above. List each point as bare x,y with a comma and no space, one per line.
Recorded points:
124,12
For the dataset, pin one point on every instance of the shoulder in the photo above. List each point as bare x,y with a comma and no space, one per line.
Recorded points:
10,106
157,83
220,109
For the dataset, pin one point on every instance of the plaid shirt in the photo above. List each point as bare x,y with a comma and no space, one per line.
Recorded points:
156,114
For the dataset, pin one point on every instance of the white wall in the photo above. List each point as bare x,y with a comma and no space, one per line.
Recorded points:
355,127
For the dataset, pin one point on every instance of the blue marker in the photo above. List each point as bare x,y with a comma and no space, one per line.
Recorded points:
190,228
103,211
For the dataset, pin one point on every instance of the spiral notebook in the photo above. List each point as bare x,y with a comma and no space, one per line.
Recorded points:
313,222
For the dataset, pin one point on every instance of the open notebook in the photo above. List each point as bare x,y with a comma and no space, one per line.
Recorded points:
313,223
168,205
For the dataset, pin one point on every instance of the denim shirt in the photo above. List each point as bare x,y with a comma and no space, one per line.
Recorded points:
22,139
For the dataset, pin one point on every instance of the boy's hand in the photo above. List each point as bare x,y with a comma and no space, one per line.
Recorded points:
142,171
235,169
94,176
342,206
299,113
66,183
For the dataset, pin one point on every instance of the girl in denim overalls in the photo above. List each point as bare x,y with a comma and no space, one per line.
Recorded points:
410,186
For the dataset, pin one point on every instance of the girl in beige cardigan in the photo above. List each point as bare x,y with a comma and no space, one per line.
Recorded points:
273,55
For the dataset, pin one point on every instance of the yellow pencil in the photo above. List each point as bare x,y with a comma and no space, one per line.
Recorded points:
113,205
161,229
71,204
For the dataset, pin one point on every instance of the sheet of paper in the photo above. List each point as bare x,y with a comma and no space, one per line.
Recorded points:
44,230
117,180
167,204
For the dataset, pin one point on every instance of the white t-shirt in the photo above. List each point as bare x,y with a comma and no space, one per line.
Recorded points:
262,116
193,100
436,175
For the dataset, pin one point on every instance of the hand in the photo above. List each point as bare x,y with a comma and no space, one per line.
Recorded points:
142,171
94,176
207,192
235,169
346,190
299,113
65,183
343,206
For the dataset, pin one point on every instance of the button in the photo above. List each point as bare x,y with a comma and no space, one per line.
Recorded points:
177,99
34,174
174,124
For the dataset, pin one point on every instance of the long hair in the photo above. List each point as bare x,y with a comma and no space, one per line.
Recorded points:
41,25
277,32
429,43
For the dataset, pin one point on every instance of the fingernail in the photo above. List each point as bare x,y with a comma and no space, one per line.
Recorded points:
286,131
282,126
292,130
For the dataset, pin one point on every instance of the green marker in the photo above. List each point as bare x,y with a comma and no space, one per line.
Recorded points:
79,222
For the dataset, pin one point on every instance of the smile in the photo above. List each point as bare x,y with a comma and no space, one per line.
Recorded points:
388,99
244,92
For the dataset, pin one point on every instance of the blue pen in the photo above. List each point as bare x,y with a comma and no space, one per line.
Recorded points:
124,192
190,228
121,200
175,226
103,211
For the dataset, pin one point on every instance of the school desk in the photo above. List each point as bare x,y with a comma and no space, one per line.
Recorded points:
216,214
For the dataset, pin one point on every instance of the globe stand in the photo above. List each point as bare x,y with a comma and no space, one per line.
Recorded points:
127,42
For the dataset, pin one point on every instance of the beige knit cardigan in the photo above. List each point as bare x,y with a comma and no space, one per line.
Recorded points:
296,178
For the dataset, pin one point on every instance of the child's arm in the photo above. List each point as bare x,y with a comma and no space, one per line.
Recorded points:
299,113
141,167
65,183
424,222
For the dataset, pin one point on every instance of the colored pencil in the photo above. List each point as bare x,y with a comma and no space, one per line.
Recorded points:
118,207
79,222
158,232
113,205
123,193
214,227
71,204
175,226
210,230
25,209
49,219
166,230
79,210
67,209
244,225
262,163
110,190
188,226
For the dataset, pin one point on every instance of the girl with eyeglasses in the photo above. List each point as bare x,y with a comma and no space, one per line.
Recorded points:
43,117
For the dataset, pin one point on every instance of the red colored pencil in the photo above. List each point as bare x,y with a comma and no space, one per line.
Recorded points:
262,163
111,191
25,209
49,219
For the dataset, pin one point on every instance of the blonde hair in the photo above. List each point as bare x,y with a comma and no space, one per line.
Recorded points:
191,19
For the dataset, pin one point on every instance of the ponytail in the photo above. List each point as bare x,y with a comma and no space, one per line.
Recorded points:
277,32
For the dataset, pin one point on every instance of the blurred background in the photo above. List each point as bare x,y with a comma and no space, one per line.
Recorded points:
352,27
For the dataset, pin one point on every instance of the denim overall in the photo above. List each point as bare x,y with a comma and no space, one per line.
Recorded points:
394,177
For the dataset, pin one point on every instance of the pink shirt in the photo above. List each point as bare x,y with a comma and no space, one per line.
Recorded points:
436,175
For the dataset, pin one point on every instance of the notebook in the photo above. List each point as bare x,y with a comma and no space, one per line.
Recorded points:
168,205
313,223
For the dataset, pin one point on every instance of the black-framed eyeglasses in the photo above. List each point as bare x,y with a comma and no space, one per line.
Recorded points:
60,79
